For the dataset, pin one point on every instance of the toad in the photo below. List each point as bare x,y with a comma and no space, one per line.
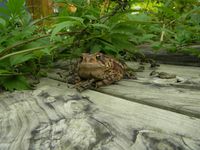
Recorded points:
98,69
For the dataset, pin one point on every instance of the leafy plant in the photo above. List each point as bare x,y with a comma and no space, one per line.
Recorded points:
19,55
179,28
102,27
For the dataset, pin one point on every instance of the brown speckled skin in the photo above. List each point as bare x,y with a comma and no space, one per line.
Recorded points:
103,69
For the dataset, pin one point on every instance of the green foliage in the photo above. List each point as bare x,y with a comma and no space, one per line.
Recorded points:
120,27
18,58
109,33
175,17
14,83
123,25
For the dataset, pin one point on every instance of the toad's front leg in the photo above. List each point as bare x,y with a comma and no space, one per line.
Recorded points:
83,85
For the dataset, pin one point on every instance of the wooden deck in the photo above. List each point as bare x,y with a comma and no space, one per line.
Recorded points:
145,114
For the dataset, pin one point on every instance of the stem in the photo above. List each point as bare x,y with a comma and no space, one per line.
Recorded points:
42,19
13,74
23,51
7,50
162,34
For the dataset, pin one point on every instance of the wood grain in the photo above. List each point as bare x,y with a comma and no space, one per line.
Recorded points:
181,97
163,96
55,117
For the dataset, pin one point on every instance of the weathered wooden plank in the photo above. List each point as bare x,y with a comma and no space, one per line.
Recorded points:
182,96
185,101
175,58
187,72
145,125
56,117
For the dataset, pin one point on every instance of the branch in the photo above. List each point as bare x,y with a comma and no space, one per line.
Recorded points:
8,49
162,34
23,51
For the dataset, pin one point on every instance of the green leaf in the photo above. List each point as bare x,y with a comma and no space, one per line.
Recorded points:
14,83
47,51
146,38
16,7
17,59
98,25
78,19
5,13
2,22
90,17
2,71
96,48
1,49
141,17
71,18
123,28
5,64
63,25
120,41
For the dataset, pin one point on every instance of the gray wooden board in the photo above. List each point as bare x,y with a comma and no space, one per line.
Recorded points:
180,100
190,76
165,56
183,97
55,117
129,117
181,71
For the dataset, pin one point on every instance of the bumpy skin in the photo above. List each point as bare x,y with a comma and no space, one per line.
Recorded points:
95,70
100,69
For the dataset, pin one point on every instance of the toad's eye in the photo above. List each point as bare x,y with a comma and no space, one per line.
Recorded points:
98,57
